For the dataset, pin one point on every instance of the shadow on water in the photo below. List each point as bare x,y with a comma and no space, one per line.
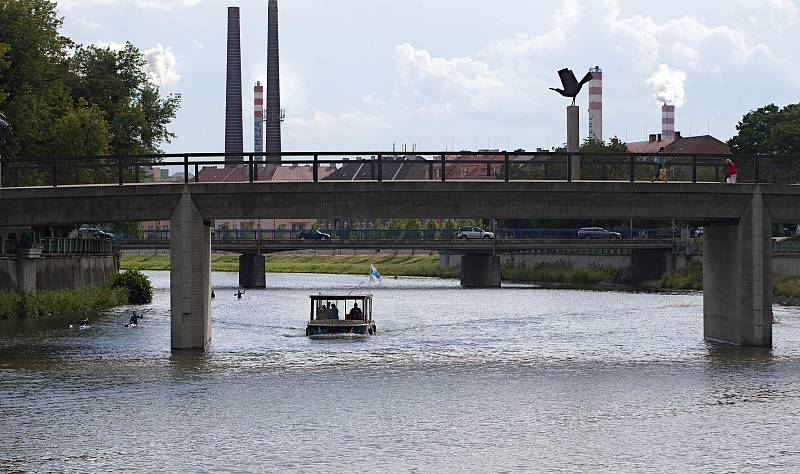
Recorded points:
726,354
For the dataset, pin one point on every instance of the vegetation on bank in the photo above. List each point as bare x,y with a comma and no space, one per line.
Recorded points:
560,272
691,278
137,286
63,303
424,265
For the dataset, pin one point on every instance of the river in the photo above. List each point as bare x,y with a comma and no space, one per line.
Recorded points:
513,379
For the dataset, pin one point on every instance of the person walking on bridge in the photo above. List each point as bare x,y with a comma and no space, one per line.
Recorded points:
731,169
661,166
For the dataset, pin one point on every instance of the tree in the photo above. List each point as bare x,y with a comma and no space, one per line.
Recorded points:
34,66
116,82
770,130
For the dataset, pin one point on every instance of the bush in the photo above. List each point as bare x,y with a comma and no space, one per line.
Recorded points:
64,303
690,278
140,291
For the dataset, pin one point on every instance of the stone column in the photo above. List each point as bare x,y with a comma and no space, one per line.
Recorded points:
573,138
480,271
737,279
251,271
190,277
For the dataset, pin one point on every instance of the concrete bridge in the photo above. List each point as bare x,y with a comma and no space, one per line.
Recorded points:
737,254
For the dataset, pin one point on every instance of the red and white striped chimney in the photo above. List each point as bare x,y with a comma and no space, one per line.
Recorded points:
596,104
668,122
258,117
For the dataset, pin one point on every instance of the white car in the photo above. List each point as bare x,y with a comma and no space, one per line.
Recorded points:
474,233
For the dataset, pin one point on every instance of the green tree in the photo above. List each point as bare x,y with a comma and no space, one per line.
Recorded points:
770,130
134,109
33,73
81,131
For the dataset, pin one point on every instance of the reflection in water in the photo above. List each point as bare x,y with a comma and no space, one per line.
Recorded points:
516,379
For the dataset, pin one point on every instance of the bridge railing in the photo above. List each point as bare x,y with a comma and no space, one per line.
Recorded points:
388,166
58,246
235,234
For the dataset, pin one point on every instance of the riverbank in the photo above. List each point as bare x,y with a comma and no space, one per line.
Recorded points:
62,303
785,289
419,265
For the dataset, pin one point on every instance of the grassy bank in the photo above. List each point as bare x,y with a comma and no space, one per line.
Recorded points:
66,303
387,264
691,278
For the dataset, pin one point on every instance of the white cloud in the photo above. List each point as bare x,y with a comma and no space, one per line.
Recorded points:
160,67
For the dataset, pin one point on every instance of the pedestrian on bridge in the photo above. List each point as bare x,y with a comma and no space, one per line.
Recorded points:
661,166
731,169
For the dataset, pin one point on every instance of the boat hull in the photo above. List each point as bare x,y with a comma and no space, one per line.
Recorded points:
326,329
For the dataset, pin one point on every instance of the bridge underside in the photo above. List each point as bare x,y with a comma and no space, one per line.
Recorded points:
737,277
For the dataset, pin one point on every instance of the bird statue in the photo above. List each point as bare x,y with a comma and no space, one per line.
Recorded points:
571,85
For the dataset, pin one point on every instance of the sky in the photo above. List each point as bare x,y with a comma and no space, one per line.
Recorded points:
364,75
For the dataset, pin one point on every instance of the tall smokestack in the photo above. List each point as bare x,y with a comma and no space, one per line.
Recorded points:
274,112
234,133
596,104
258,118
668,122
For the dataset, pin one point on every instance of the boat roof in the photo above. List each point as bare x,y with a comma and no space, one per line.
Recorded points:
341,297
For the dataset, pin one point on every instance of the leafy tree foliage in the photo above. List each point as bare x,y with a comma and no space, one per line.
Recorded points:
770,130
50,86
140,291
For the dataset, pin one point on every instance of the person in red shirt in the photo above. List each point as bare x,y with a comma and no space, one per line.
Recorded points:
731,171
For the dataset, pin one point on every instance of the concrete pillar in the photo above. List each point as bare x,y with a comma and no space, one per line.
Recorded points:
251,271
190,277
737,279
574,138
651,264
480,271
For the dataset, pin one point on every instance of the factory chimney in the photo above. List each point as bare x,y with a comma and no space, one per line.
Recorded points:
258,118
596,104
234,133
668,122
275,114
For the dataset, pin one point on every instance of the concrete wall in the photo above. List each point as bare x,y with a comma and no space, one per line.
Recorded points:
29,275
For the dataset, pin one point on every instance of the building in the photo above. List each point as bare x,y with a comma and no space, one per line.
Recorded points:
596,104
234,132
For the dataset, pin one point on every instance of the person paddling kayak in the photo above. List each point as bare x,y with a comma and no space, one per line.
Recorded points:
135,319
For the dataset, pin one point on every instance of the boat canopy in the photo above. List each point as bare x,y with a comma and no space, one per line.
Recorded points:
356,307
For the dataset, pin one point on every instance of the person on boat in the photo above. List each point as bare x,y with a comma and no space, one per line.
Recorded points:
84,322
213,295
135,319
334,312
239,294
355,313
322,312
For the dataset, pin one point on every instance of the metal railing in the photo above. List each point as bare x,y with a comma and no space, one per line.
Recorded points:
235,234
387,166
57,246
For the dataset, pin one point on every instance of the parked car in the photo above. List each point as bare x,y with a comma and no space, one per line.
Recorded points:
313,234
797,231
98,234
598,233
698,232
473,233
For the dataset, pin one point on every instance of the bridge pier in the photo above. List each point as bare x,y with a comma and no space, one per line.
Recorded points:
480,271
251,271
737,279
190,277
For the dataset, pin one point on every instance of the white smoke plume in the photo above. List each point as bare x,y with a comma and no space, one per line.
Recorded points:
667,85
160,67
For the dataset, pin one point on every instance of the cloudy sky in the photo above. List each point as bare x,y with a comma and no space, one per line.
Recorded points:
364,74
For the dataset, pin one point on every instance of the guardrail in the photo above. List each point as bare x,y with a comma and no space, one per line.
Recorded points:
58,246
406,234
388,166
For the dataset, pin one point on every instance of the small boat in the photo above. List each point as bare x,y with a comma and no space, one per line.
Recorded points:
341,314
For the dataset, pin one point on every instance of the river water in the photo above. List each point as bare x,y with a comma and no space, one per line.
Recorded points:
513,379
